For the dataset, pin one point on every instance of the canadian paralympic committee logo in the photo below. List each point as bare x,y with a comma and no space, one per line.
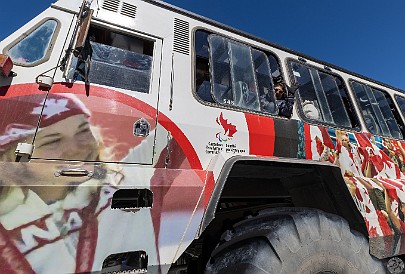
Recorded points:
229,129
223,142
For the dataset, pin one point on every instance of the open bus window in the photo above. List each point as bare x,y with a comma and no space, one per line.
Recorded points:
322,96
36,46
378,111
231,73
239,75
114,59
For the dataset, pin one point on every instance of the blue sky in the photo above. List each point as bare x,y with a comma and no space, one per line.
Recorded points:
364,36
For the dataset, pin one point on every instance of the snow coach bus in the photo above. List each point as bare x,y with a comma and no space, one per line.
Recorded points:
137,136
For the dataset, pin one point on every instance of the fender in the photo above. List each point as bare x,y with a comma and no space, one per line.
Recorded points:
321,186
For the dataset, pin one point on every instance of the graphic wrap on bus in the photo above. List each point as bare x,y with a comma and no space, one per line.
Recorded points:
373,169
132,110
42,214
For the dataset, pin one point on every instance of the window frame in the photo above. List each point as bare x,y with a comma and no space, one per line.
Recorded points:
234,47
351,80
300,112
30,31
228,106
402,114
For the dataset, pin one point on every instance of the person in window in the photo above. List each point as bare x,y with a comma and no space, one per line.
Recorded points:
285,100
266,102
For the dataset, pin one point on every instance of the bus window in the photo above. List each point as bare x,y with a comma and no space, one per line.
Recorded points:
275,68
401,103
221,71
264,74
35,47
242,74
322,95
376,107
234,74
116,60
202,74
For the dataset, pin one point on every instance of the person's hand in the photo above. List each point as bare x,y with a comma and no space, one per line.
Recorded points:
293,88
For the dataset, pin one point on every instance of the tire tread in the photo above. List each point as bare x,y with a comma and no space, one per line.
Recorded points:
308,237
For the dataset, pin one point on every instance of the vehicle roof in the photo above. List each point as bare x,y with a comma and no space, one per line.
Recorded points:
73,4
264,41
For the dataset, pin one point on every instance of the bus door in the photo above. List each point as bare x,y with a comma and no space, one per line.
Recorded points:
34,49
103,106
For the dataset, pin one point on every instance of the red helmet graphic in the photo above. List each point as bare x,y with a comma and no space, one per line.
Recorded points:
20,115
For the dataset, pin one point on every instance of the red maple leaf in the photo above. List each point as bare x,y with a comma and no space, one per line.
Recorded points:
372,231
363,140
319,145
377,162
229,129
327,141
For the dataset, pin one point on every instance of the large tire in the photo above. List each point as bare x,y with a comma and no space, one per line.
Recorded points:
293,241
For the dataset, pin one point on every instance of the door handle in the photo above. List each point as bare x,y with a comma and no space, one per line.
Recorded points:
74,172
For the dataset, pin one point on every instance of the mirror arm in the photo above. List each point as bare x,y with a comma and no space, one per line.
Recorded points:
87,69
84,15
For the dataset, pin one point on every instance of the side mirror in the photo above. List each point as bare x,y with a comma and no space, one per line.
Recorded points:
6,65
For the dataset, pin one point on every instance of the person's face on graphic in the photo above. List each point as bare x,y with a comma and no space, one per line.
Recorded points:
64,134
69,139
388,144
346,142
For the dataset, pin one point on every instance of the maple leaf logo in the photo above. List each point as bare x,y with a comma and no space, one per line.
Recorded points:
229,129
52,107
